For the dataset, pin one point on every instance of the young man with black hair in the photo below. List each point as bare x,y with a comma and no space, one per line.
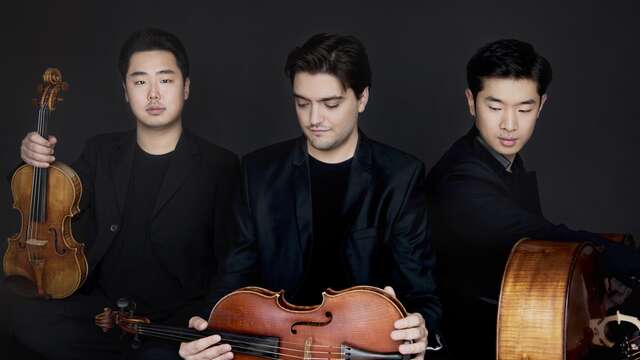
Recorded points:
482,200
332,208
157,201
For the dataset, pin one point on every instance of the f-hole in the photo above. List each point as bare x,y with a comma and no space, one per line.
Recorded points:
312,323
59,249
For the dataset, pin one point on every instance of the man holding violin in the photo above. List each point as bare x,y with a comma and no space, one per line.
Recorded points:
157,202
332,208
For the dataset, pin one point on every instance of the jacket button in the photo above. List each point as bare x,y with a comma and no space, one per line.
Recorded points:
113,227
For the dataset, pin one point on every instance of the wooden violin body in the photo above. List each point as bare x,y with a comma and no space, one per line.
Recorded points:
353,324
550,292
44,251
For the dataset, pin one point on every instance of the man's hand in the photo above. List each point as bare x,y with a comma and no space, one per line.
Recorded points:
38,151
411,328
203,349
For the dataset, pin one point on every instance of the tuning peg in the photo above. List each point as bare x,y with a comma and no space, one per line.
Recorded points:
123,304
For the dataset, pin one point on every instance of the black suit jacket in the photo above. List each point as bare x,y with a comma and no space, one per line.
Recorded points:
479,211
388,238
191,218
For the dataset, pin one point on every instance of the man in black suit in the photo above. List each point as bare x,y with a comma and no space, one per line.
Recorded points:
157,203
483,200
332,208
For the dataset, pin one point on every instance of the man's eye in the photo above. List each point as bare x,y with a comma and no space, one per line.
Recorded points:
494,108
166,81
301,105
332,105
139,82
524,110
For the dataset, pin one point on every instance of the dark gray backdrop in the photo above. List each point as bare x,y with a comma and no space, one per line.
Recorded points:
585,147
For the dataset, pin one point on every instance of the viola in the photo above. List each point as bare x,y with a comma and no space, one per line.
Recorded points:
44,251
352,324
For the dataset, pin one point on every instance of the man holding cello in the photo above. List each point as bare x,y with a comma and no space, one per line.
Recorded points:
332,208
156,199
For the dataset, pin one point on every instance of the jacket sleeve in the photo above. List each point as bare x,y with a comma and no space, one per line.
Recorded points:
413,257
477,208
238,265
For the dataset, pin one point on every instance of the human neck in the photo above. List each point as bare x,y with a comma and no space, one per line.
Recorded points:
342,153
158,141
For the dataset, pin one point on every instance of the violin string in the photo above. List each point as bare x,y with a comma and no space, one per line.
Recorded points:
237,336
190,337
33,204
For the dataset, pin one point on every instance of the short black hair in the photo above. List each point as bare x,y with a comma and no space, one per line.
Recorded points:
343,56
508,58
153,39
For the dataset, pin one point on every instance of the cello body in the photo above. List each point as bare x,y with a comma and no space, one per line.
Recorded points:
550,292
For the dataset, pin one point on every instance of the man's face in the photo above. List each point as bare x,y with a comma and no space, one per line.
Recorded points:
155,89
505,112
328,115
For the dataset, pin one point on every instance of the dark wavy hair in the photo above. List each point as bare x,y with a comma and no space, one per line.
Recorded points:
343,56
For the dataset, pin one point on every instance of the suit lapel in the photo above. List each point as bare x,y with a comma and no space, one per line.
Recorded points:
302,193
180,167
120,163
359,181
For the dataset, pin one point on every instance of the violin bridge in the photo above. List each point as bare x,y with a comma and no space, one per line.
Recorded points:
307,348
36,242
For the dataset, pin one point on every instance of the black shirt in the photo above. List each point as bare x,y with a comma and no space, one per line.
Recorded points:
130,268
326,266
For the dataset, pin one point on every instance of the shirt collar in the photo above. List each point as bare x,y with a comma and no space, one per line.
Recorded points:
506,163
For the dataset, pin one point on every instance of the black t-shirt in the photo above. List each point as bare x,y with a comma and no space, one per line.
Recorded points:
326,266
130,268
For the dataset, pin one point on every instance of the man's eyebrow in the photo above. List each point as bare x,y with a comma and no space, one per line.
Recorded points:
138,73
329,98
527,102
166,71
494,99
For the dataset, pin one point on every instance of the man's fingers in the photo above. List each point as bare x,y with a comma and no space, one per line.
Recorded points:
198,347
53,140
198,323
413,320
36,159
38,149
389,290
414,348
409,334
34,137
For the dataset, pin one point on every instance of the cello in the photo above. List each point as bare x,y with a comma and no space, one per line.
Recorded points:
44,251
552,305
352,324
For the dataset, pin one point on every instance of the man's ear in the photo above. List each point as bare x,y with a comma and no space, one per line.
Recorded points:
124,88
363,99
471,102
187,86
543,99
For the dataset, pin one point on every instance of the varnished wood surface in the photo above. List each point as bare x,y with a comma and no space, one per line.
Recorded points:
549,292
62,273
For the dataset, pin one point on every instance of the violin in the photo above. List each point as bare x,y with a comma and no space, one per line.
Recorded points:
44,251
352,324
